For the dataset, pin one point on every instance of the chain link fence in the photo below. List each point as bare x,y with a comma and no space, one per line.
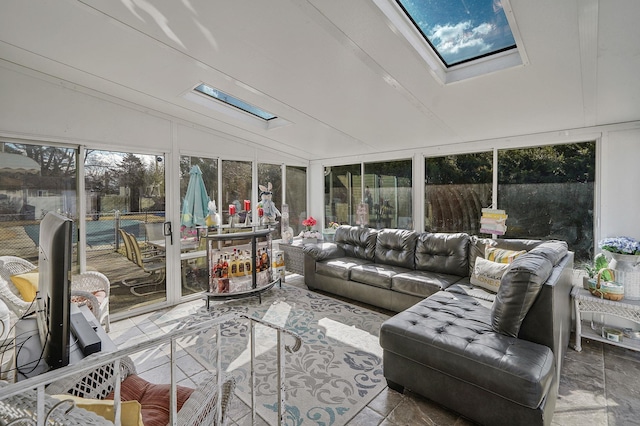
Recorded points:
20,236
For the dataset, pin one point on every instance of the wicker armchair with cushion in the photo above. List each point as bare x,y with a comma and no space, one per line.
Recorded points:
19,283
194,406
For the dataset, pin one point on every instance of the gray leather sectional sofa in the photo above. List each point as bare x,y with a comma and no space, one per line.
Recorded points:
493,357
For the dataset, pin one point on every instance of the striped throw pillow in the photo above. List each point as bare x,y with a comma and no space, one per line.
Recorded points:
499,255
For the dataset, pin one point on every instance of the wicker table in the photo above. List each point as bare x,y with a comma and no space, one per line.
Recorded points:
586,302
293,256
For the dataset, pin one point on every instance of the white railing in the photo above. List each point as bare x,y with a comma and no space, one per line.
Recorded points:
100,359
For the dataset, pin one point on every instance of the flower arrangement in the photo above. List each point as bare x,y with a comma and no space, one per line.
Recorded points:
333,225
309,222
620,245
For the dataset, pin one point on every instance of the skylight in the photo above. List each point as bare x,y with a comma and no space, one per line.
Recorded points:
235,102
461,30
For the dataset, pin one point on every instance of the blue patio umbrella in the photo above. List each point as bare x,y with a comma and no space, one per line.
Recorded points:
196,200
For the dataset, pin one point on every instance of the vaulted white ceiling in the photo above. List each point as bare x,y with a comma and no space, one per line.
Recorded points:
337,70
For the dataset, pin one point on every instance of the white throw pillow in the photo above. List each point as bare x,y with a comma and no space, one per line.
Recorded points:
488,274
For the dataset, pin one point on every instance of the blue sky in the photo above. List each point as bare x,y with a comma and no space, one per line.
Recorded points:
461,29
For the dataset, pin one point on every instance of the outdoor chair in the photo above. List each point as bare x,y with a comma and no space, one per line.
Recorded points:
154,230
90,288
153,265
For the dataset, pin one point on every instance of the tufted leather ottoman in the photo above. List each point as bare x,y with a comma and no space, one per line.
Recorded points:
444,348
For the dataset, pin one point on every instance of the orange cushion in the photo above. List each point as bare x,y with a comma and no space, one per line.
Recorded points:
153,398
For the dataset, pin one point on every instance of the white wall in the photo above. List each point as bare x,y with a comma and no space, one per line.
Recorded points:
620,188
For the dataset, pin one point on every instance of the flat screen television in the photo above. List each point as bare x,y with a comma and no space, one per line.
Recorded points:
54,288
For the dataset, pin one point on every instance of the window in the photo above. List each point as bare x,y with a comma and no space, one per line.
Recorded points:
236,186
125,193
34,180
342,193
387,193
461,31
272,173
235,102
457,188
297,197
548,193
195,276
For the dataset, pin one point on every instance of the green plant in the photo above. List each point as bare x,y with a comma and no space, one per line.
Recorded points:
599,262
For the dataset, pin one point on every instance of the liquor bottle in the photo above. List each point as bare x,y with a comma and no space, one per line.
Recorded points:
225,267
247,263
241,262
234,264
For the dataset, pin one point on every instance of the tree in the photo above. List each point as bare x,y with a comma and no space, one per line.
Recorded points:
132,177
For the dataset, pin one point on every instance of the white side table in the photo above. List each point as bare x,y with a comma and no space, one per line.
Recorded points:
586,302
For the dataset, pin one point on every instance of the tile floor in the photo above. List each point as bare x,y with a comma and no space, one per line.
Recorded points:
598,386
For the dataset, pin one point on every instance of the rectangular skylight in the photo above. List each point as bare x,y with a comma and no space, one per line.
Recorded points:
235,102
460,31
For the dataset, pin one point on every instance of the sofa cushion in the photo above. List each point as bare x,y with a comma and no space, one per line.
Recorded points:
356,242
422,283
552,250
519,288
396,247
452,333
484,296
339,268
375,274
443,253
323,251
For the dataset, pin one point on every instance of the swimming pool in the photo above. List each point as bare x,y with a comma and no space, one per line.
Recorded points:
99,232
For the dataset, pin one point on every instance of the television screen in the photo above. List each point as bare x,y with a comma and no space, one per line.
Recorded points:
54,288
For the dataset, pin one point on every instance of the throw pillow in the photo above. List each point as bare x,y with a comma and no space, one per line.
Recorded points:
27,285
153,398
130,414
499,255
488,274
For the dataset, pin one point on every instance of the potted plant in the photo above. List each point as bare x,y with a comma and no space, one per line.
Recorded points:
600,263
625,259
310,235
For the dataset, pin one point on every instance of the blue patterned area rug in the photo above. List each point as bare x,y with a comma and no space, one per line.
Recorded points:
334,375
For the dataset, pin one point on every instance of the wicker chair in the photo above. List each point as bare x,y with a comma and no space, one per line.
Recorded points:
83,287
19,410
199,410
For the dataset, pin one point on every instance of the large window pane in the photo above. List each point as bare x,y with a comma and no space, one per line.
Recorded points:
297,197
388,194
236,186
457,188
272,173
342,193
125,193
548,193
194,269
34,180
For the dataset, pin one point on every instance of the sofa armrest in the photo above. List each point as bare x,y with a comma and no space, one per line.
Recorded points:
324,251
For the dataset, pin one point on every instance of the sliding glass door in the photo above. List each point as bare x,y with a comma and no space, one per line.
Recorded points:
125,206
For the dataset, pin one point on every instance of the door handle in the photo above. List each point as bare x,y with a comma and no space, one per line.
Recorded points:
168,232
